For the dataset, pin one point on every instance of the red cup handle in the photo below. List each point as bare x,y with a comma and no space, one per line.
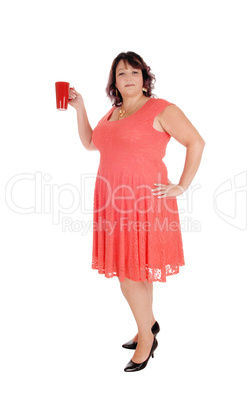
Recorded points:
68,94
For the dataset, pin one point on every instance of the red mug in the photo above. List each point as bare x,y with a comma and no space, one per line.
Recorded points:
62,94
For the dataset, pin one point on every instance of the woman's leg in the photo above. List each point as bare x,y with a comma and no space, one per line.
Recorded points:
153,320
138,296
150,288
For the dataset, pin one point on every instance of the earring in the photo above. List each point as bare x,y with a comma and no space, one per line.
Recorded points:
145,90
116,92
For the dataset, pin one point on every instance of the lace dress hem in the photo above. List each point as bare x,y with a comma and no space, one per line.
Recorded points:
151,274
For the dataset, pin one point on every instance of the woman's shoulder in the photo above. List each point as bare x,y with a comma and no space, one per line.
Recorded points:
162,101
159,105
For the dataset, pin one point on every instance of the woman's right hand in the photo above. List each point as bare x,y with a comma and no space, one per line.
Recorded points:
75,99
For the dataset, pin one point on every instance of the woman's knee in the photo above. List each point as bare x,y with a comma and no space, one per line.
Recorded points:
124,283
149,285
128,283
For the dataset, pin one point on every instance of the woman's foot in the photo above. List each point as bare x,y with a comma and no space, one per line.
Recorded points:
135,339
143,348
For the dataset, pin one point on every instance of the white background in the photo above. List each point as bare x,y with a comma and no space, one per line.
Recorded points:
62,324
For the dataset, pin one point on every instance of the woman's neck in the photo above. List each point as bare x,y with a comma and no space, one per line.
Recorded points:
131,101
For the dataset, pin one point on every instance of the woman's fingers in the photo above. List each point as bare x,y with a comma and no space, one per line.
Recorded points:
75,99
72,93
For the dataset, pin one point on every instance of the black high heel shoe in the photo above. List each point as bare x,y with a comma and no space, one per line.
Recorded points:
132,366
132,345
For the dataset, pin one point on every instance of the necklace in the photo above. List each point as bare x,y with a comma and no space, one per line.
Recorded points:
122,111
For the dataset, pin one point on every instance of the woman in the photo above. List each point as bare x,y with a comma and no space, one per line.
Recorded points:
137,233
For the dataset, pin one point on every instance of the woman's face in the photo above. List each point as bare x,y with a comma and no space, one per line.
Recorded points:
129,80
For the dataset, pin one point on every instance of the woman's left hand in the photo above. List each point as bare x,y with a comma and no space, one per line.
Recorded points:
167,190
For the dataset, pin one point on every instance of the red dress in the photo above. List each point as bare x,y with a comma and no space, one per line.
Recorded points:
135,234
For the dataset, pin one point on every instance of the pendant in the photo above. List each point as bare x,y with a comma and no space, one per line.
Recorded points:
121,113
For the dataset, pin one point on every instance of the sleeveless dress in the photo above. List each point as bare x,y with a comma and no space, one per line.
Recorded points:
135,234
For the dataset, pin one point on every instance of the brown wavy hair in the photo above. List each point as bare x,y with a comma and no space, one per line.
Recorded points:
135,61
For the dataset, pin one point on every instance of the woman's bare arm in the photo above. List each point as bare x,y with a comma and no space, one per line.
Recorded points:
175,123
84,128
